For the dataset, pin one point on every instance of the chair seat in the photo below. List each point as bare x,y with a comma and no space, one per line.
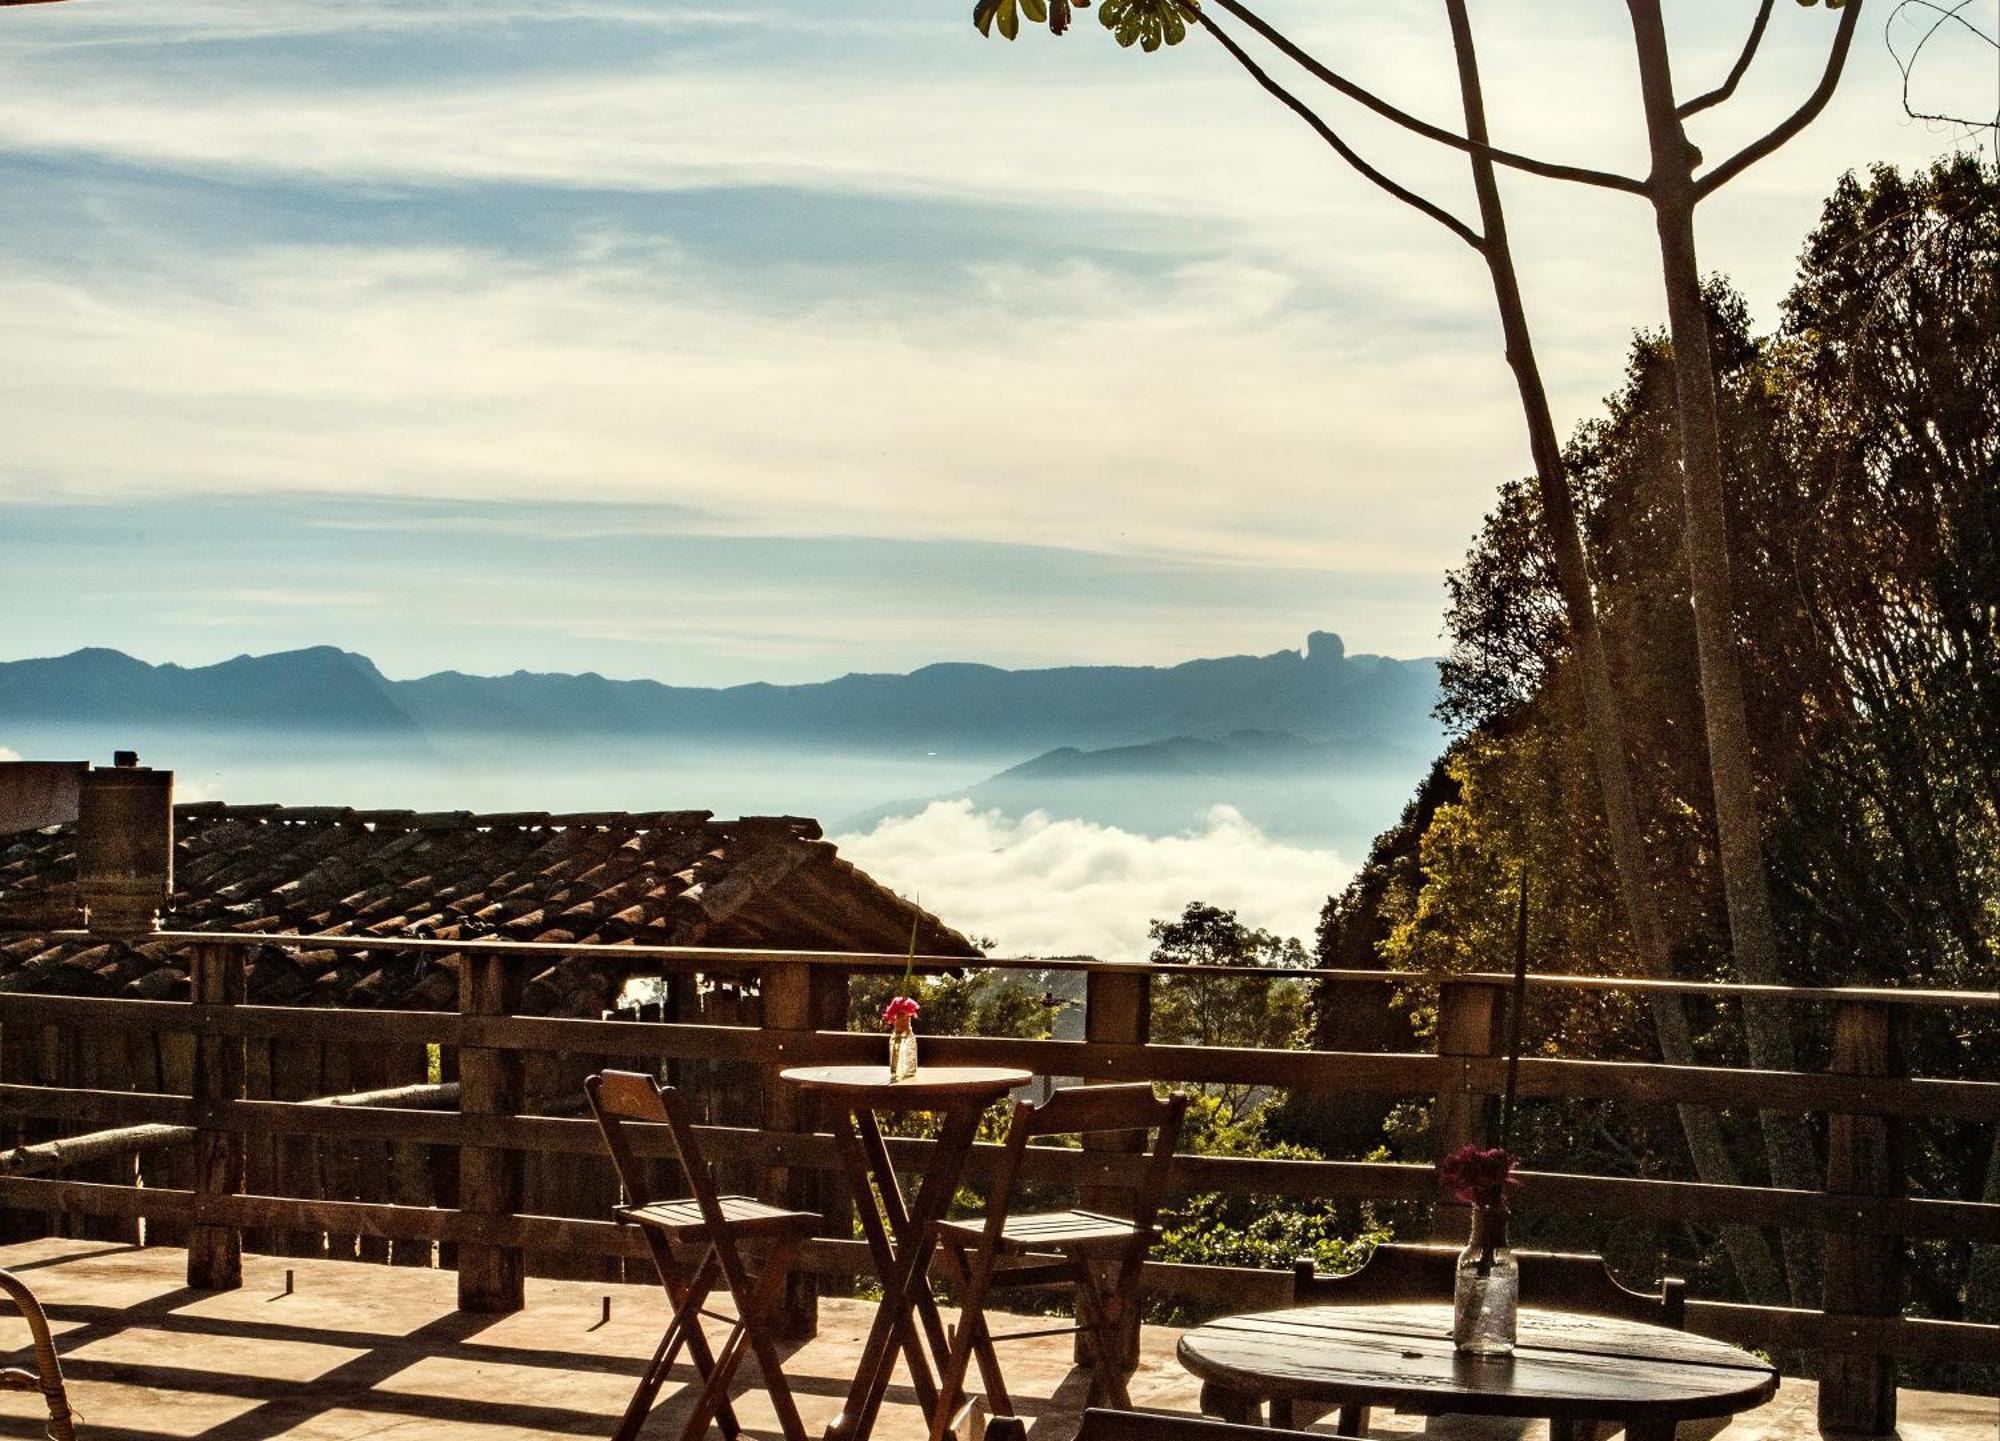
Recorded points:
1072,1232
743,1215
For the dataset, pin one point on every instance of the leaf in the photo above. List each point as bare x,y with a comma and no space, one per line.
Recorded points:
1128,30
982,15
1176,28
1010,19
1037,11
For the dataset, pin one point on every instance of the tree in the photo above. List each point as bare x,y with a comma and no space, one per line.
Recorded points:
1864,538
1216,1003
1674,191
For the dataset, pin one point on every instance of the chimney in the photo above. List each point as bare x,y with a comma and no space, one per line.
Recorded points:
125,846
34,794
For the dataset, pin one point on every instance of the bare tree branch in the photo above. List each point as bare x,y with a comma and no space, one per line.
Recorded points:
1799,119
1305,61
1953,14
1340,147
1728,87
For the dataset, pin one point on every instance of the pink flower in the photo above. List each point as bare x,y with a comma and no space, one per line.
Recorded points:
1479,1177
900,1011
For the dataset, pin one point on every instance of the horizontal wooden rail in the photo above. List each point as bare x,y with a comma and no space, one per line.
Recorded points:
1349,1072
1555,1193
1759,1326
790,1015
720,959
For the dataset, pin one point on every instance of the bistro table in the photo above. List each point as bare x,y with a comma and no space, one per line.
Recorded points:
1573,1369
900,1235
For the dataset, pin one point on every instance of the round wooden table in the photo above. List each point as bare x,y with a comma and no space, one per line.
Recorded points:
900,1234
1572,1369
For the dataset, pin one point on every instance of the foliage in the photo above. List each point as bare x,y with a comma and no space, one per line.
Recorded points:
1147,23
976,1003
1265,1232
1191,1009
1225,1009
1863,440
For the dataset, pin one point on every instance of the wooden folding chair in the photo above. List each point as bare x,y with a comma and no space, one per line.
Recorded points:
1097,1251
722,1226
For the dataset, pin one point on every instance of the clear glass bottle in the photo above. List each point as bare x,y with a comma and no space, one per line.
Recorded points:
1486,1300
902,1052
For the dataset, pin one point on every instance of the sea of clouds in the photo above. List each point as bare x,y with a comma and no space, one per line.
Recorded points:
1042,886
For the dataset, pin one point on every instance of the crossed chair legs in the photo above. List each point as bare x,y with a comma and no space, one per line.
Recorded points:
1101,1314
750,1331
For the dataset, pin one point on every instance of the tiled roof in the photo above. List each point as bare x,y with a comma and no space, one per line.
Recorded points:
659,878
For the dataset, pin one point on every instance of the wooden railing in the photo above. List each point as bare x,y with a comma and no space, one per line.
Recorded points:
1863,1214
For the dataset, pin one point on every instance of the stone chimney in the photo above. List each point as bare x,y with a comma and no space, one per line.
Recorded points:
125,846
34,794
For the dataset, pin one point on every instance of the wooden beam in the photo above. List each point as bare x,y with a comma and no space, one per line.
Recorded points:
1863,1275
490,1276
215,1251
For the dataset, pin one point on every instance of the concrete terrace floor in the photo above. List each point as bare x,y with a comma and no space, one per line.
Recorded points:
372,1351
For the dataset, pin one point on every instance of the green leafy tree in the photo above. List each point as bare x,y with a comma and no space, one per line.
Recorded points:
1674,187
1866,545
1216,1003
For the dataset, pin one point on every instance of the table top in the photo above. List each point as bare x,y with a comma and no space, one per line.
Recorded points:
1564,1365
871,1086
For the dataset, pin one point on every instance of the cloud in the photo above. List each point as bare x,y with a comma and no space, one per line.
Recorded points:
1041,886
8,754
1072,405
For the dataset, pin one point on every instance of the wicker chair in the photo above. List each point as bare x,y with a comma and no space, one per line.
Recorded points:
47,1376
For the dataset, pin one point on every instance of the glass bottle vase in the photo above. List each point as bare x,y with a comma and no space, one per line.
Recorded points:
1486,1299
902,1052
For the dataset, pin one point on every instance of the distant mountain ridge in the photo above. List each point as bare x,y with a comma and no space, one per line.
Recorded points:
1291,787
1319,695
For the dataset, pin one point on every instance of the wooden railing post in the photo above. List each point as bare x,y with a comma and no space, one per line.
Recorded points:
799,999
490,1277
1117,1009
1470,1023
214,1251
1864,1273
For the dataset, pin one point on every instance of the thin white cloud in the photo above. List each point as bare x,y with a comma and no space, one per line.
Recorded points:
1042,886
1311,378
1188,414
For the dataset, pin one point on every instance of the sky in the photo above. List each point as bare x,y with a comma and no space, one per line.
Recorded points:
779,339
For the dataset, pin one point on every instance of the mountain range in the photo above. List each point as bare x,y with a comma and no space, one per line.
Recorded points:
1090,716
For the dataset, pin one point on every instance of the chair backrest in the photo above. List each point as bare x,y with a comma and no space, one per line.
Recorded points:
622,1098
1143,1122
1554,1280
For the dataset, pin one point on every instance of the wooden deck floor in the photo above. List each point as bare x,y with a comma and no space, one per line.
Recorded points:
371,1351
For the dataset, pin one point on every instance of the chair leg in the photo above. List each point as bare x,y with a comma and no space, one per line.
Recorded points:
998,1402
971,1310
683,1327
1107,1371
715,1391
756,1304
959,1266
650,1380
769,1296
687,1291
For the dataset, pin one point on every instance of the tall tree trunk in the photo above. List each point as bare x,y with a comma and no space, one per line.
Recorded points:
1751,1257
1739,833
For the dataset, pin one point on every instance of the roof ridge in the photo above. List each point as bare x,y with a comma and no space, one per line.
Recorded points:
407,819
